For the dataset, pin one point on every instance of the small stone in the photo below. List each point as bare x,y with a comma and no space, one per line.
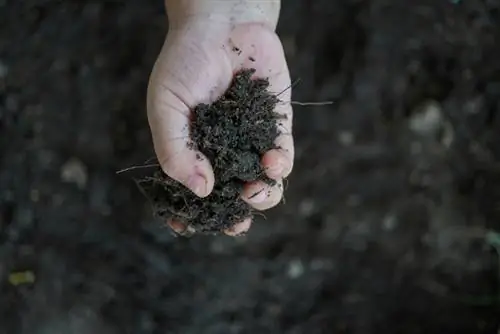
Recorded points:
22,277
306,207
34,195
474,105
389,222
426,119
74,171
346,138
295,269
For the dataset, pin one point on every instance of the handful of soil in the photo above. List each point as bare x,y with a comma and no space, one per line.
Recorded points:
233,133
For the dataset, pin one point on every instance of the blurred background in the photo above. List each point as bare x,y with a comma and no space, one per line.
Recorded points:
391,218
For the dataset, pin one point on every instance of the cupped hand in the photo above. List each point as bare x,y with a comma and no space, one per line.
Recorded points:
196,65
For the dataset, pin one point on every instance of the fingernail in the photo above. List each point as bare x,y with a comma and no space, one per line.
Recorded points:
258,197
181,229
177,227
198,185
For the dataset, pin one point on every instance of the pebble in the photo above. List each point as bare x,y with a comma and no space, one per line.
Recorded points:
307,207
426,119
295,269
74,171
22,277
474,105
389,222
34,195
346,138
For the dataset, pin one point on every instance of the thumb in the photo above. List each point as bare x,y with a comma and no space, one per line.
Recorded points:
169,119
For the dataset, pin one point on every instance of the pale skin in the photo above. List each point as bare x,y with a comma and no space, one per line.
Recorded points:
207,42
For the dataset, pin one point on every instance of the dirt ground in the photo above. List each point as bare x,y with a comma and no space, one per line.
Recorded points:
391,211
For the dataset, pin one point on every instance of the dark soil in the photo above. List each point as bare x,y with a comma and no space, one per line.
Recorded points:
234,132
390,218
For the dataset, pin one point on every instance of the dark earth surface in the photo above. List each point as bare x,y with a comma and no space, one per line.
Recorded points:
391,211
233,133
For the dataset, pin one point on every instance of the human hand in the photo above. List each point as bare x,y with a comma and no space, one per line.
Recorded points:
196,65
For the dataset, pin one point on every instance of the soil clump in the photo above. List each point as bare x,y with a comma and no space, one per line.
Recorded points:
233,133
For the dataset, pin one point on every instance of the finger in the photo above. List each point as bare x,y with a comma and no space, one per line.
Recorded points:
169,123
262,196
182,77
235,230
278,163
180,228
264,52
239,229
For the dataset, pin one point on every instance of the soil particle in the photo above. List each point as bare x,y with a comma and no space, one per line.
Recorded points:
74,171
233,133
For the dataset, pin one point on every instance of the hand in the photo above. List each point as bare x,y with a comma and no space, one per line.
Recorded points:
196,65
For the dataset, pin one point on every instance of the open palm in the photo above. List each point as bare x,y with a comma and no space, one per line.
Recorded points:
197,66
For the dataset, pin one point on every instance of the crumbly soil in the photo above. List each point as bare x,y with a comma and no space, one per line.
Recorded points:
391,213
233,132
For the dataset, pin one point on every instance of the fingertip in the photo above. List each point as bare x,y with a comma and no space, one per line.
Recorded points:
262,196
198,185
180,228
193,170
255,193
239,229
204,168
276,164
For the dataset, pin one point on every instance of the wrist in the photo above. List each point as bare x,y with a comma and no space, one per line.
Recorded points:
222,13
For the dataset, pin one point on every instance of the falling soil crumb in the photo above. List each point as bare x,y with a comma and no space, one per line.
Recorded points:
233,133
